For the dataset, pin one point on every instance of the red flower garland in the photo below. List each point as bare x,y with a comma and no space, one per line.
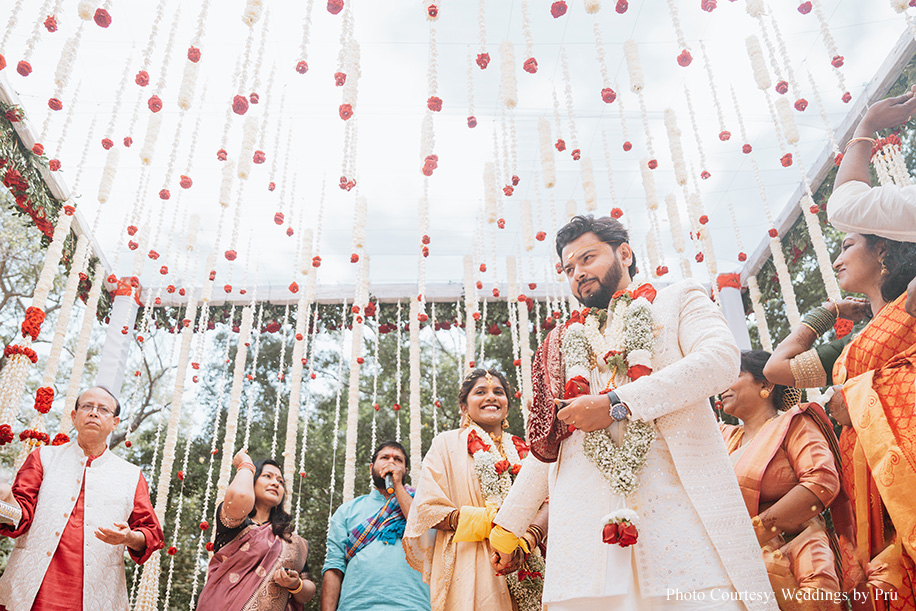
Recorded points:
44,397
31,326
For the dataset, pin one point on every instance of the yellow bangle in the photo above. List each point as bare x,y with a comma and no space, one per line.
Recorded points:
299,589
860,139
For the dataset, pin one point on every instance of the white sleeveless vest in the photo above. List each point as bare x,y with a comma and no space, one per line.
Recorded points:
111,484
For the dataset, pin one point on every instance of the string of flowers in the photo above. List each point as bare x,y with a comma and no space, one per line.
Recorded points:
250,396
567,86
836,60
508,89
10,25
527,226
253,97
676,146
756,9
470,308
511,300
24,68
279,217
361,299
677,232
416,414
800,102
308,408
507,172
779,260
627,145
763,328
435,366
828,128
397,395
608,95
708,254
762,78
13,376
61,78
491,197
281,376
704,168
302,66
472,120
142,77
547,161
375,370
637,84
199,565
616,211
589,190
483,58
336,434
530,64
684,59
724,134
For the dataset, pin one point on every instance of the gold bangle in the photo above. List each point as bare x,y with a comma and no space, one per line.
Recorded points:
299,589
246,465
453,519
860,139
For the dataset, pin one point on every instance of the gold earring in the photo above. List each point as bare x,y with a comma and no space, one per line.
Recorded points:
764,393
465,420
505,423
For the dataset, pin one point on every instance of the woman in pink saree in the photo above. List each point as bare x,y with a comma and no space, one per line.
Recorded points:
259,563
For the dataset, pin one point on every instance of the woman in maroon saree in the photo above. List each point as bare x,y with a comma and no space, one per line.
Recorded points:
259,563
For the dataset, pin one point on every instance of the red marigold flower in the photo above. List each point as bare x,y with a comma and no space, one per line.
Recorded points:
653,163
340,78
259,157
515,180
354,258
345,111
172,550
254,98
531,65
55,104
508,190
164,194
54,165
221,154
804,8
62,438
128,141
107,143
396,407
746,149
782,87
483,268
432,10
142,78
699,257
302,67
837,61
540,236
483,60
278,218
846,97
627,146
708,5
316,261
204,525
501,223
193,54
786,160
616,213
472,121
185,182
102,18
6,434
38,149
576,154
773,233
558,9
742,256
51,23
239,104
230,255
622,6
164,270
271,186
725,135
660,270
838,159
293,288
154,103
704,219
608,95
801,104
704,174
209,546
434,103
335,6
560,144
24,68
685,58
2,62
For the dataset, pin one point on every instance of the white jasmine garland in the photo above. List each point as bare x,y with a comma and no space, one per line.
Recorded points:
508,87
610,172
225,189
188,83
677,149
526,30
356,347
32,40
252,12
786,58
494,486
567,87
674,222
249,141
676,22
825,265
758,64
900,5
52,258
481,24
108,174
491,194
648,183
763,328
823,114
85,9
652,252
65,63
470,306
547,161
527,226
589,190
829,42
784,109
359,223
785,282
470,85
416,424
599,48
152,135
631,54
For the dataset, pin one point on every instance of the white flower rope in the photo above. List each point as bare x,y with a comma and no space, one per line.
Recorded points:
250,395
281,376
676,146
397,396
64,71
560,143
724,134
704,168
800,103
677,232
836,60
610,173
608,94
758,63
527,225
375,372
308,409
637,84
153,35
302,65
627,145
336,434
548,164
35,34
483,58
790,130
491,194
822,111
416,413
763,328
256,79
434,368
589,190
508,88
684,59
779,261
14,17
275,162
567,86
511,300
361,299
470,307
530,63
695,207
472,120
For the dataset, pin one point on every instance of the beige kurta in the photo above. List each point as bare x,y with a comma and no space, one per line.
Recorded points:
459,574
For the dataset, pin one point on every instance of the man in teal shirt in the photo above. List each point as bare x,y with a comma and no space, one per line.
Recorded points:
365,569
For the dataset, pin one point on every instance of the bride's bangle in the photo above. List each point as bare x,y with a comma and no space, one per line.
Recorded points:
299,589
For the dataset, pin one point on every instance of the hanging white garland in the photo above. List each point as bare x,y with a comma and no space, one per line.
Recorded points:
470,308
677,148
589,190
397,397
416,414
548,165
508,90
336,433
567,86
361,299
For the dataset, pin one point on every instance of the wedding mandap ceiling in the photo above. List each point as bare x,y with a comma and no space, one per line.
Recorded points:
259,127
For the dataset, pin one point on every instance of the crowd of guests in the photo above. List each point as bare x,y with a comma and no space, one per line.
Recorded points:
827,485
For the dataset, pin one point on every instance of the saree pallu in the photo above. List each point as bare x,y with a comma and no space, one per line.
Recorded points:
878,372
815,559
240,574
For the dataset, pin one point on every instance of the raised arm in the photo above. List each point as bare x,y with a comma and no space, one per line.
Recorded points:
239,499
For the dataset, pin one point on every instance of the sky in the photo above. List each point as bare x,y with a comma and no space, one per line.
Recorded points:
304,143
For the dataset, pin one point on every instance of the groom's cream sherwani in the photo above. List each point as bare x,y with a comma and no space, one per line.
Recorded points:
694,529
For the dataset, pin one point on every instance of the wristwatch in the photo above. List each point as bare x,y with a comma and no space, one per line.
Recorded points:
619,410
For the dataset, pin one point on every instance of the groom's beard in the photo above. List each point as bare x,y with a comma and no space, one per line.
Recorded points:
607,286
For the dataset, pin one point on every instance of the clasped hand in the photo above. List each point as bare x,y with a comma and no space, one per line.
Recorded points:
587,412
504,564
287,578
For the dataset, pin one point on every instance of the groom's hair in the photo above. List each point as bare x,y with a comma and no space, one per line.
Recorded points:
608,230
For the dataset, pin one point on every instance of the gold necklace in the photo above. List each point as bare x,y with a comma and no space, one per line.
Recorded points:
498,440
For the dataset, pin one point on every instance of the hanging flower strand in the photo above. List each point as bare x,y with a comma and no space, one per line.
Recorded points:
567,84
530,64
472,120
800,103
684,59
608,95
704,171
836,60
763,328
483,58
724,134
637,84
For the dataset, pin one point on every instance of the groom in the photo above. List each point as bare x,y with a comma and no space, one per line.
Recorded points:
696,548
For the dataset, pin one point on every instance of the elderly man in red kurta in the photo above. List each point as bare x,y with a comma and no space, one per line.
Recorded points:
81,506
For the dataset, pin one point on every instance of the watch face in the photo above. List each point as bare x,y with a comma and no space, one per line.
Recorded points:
619,412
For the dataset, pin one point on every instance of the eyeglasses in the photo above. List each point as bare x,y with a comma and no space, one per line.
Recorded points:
88,408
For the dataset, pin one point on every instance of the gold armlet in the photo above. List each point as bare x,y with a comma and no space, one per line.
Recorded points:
807,370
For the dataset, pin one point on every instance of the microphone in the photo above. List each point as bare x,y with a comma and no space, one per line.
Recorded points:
389,484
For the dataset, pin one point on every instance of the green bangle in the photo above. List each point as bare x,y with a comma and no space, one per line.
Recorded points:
820,320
